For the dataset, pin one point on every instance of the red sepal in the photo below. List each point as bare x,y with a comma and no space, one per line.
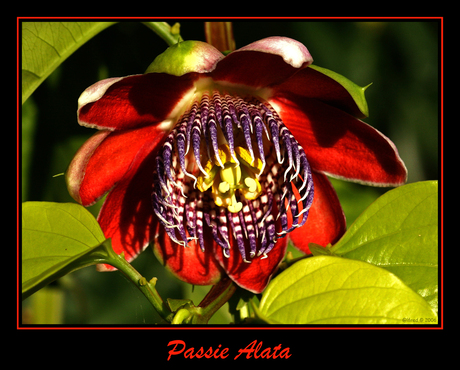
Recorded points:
190,263
111,160
133,101
340,145
310,83
326,222
256,275
263,63
127,215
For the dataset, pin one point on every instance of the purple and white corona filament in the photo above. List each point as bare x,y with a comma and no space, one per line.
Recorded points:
232,164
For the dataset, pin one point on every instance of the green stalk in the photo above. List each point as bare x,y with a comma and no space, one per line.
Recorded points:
215,299
146,287
169,34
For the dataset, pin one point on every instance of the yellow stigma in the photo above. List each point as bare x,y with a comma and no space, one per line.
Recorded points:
225,181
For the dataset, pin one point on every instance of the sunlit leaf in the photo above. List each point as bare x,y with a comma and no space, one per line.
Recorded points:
334,290
57,238
45,45
399,232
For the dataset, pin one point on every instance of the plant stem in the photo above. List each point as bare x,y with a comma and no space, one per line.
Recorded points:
215,299
170,34
146,287
220,35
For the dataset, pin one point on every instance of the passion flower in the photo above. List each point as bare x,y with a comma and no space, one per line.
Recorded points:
219,160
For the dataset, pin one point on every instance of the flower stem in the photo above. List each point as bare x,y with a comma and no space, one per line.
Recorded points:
220,35
146,287
215,299
201,314
170,34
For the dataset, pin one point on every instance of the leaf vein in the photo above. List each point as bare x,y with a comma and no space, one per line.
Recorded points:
65,236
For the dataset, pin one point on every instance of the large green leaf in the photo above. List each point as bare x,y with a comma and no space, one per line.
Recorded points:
334,290
58,238
399,232
45,45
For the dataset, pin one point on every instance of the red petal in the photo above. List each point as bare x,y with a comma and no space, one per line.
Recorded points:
190,263
263,63
310,83
256,275
76,171
326,222
340,145
127,214
111,160
133,101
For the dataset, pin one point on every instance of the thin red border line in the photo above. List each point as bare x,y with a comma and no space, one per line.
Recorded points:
254,328
441,326
251,328
400,18
441,77
261,328
17,172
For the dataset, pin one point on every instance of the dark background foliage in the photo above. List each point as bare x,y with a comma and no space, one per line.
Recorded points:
400,58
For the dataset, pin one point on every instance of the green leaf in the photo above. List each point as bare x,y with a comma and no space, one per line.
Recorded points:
356,92
319,250
175,304
45,45
334,290
58,238
399,232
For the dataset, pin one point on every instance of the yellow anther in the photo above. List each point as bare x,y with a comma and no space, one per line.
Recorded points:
225,181
235,206
218,200
251,184
231,174
224,187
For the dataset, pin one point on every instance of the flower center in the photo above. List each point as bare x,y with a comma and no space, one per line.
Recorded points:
232,164
234,176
